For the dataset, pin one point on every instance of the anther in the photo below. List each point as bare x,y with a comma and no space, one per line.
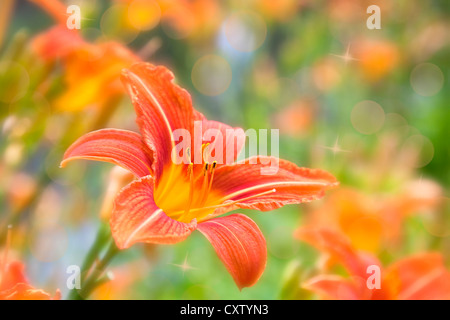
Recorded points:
211,178
191,188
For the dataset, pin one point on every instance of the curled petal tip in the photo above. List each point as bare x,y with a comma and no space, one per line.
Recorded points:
62,164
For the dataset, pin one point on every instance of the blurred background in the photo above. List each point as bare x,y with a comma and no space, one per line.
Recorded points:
369,106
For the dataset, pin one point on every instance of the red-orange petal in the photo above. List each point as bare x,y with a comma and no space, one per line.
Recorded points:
419,277
289,185
14,274
136,218
240,245
121,147
233,140
161,107
24,291
14,285
339,248
57,42
333,287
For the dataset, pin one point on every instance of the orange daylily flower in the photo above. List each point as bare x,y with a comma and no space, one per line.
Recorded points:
168,201
419,277
92,71
376,58
14,285
179,18
371,221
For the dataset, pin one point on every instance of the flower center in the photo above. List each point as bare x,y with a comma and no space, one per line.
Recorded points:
184,193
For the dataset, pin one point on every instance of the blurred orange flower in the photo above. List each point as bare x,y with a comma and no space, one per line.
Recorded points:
92,71
14,285
419,277
372,221
376,58
179,18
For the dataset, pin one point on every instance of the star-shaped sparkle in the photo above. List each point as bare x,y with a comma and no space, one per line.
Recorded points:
336,148
347,57
184,266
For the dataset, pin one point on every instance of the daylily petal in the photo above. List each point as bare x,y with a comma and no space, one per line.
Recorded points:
420,277
161,107
262,191
14,273
56,42
233,140
121,147
24,291
336,287
92,75
136,218
339,248
240,245
14,285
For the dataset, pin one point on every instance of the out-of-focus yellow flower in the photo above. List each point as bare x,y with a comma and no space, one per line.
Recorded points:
372,221
179,18
281,10
92,71
376,58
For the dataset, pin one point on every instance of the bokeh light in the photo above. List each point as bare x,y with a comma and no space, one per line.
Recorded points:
144,14
420,148
427,79
245,31
115,24
211,75
17,82
367,117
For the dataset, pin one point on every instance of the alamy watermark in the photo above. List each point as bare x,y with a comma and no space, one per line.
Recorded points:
374,21
225,145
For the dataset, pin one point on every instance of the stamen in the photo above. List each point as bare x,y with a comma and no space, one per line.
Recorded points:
205,195
191,188
229,203
205,181
188,154
205,149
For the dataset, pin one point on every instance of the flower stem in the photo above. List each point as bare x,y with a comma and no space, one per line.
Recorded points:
91,257
91,281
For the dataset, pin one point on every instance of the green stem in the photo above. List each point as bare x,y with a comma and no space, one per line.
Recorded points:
94,251
91,282
90,258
